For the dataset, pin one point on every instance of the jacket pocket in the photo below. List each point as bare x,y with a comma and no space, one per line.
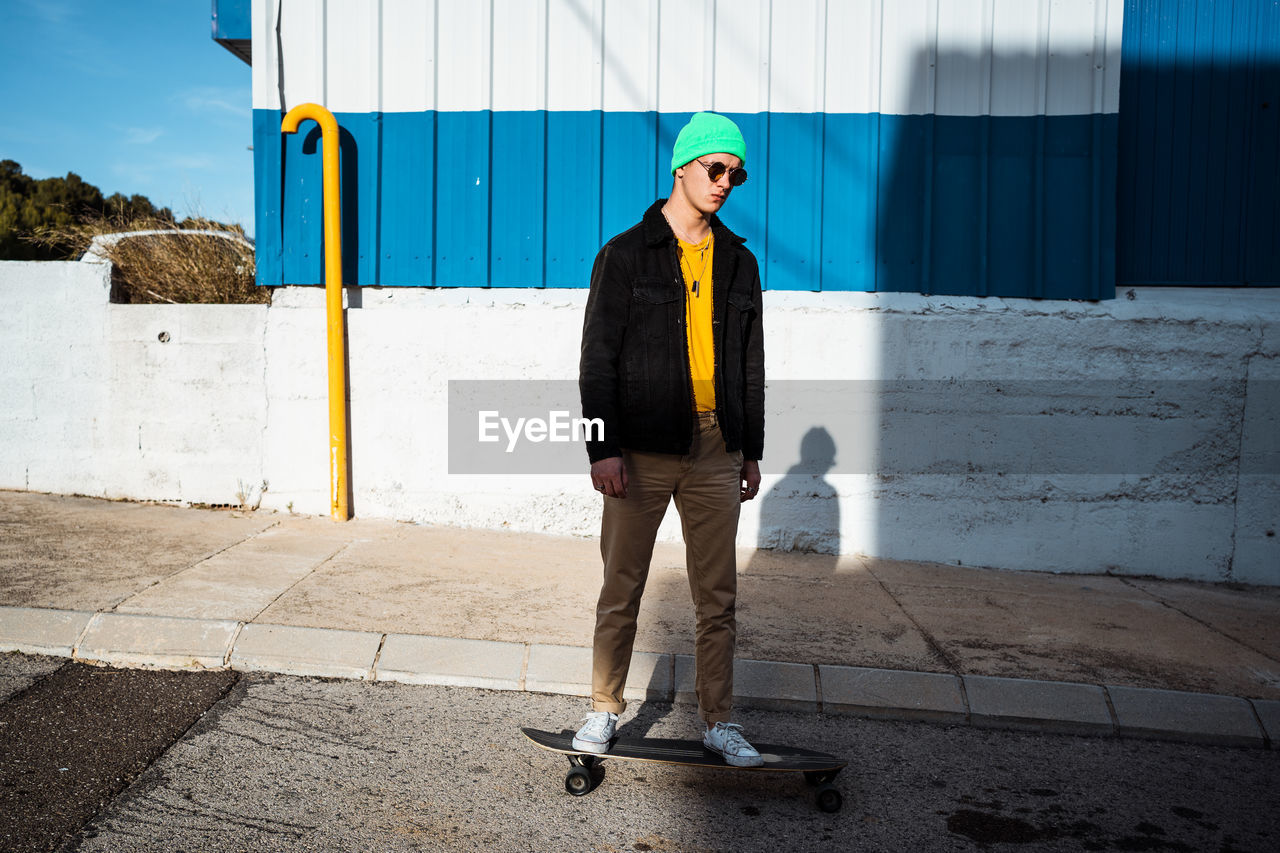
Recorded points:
739,317
741,303
652,291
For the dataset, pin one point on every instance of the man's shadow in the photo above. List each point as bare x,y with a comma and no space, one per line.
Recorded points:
801,512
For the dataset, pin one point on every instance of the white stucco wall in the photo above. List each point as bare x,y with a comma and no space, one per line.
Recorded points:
93,402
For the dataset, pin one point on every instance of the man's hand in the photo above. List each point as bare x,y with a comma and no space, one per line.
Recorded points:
609,476
750,479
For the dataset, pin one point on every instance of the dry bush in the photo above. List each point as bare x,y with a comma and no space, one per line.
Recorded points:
167,267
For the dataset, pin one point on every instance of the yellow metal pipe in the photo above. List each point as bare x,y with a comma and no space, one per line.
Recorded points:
339,507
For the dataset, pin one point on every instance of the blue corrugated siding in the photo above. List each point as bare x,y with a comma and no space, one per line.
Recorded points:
1199,155
991,206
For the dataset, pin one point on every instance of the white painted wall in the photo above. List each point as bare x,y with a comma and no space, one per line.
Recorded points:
93,402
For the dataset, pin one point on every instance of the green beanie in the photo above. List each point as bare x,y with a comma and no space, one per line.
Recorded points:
708,133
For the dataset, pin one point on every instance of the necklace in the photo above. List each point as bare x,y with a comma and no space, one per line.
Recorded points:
700,248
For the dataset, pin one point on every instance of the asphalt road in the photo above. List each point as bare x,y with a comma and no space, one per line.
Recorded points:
285,764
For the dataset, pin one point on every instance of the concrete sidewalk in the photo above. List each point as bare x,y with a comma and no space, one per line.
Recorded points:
149,585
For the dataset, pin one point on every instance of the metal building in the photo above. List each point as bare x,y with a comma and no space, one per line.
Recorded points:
984,147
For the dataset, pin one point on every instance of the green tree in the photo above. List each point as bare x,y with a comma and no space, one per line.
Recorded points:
29,206
15,188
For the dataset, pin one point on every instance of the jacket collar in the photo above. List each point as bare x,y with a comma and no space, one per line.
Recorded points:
657,231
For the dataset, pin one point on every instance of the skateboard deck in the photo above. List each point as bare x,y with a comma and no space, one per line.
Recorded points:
818,768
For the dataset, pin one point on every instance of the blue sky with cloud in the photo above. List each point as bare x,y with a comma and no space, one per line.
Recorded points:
132,95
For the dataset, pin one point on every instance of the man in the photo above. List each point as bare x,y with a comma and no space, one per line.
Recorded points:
673,364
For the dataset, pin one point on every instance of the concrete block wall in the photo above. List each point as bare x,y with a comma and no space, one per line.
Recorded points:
93,401
147,402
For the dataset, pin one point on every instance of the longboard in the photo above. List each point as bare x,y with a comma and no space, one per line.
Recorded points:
819,768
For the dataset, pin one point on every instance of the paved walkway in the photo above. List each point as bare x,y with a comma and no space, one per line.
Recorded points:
147,585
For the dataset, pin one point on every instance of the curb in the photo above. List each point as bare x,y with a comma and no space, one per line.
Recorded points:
166,642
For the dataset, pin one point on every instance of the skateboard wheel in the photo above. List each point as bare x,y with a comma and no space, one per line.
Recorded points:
829,799
578,782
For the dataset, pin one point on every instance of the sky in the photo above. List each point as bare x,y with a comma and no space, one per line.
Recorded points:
134,96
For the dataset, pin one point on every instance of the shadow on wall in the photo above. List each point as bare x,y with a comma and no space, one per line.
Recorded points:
1180,182
349,171
801,512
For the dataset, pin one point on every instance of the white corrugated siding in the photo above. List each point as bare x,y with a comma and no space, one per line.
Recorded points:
898,57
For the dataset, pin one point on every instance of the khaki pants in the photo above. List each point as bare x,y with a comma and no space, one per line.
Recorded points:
706,486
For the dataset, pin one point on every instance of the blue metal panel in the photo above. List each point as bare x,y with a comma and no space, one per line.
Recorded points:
631,141
956,242
1013,234
231,27
232,19
462,187
849,180
794,181
268,182
1068,173
300,205
361,212
1262,257
1199,159
574,176
748,212
517,222
902,147
407,210
669,125
1000,206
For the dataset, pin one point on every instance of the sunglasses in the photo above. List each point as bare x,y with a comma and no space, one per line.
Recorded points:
737,177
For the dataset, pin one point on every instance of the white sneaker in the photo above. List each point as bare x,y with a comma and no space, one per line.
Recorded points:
727,740
596,734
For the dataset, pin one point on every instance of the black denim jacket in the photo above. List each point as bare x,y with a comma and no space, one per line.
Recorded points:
634,370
